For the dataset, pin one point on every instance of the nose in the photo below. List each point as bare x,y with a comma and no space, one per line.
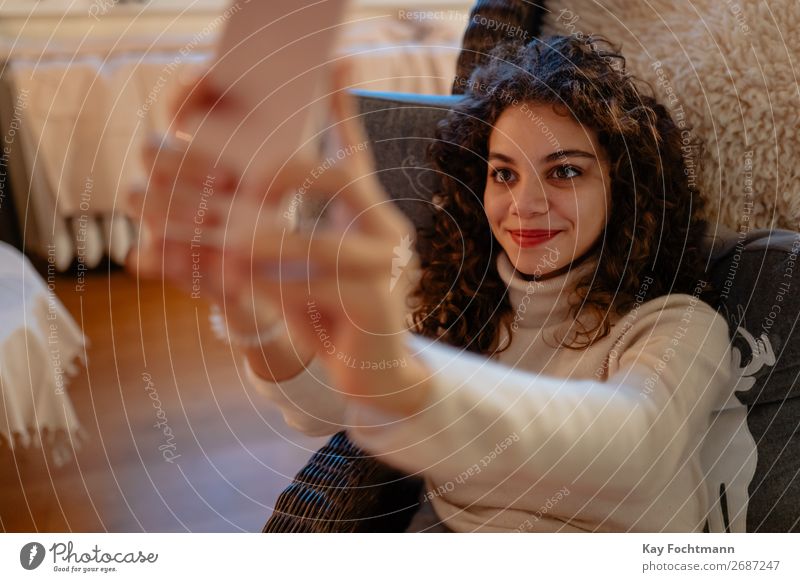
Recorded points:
530,199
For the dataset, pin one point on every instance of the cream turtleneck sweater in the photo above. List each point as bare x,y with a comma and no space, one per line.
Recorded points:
541,438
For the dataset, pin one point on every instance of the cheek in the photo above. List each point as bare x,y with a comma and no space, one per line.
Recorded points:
591,215
566,208
494,208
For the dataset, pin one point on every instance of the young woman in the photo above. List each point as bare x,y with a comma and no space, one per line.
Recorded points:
546,363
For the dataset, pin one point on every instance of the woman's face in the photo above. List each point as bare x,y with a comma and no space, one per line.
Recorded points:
547,193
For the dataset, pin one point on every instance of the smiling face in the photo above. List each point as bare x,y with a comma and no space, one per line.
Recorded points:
547,194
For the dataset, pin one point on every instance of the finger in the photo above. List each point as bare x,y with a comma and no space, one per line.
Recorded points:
163,147
186,98
364,200
270,239
296,175
182,210
302,332
302,274
184,206
134,202
347,121
345,300
258,305
327,252
190,206
303,328
197,97
196,270
144,258
210,238
357,152
171,159
139,264
181,218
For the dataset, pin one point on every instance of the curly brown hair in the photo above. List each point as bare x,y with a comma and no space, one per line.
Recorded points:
655,225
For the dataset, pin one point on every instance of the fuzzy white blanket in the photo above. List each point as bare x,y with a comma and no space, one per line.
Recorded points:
733,68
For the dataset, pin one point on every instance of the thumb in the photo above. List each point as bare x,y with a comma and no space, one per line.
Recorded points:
347,122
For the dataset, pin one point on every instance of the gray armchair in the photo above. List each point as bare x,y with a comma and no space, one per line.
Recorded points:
753,468
344,489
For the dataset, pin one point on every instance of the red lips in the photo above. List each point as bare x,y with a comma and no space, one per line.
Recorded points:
535,232
533,237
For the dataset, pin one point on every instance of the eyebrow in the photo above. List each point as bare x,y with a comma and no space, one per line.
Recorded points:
557,155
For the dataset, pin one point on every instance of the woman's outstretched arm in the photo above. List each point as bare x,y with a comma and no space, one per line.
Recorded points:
626,435
306,399
298,383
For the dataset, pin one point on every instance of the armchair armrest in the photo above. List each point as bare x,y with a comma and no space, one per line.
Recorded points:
343,489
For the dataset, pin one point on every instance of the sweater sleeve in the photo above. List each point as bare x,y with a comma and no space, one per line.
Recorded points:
307,401
624,435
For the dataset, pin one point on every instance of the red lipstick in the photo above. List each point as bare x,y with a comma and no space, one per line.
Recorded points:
532,238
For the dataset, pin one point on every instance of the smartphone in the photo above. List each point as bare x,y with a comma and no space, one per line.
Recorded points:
271,68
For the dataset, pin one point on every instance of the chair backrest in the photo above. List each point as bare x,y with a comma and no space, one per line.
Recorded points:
400,127
751,455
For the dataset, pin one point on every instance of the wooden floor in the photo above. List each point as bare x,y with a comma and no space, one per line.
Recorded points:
235,452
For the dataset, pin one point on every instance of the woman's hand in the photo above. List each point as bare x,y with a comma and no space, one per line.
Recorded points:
341,287
217,242
182,216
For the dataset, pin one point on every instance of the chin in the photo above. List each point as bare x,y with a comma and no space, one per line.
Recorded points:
544,258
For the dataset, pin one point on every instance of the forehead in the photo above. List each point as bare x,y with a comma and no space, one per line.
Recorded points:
537,129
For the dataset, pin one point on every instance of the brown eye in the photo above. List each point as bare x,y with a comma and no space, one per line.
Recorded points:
502,175
566,172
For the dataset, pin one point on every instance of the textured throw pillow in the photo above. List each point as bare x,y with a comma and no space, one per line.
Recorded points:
728,71
752,451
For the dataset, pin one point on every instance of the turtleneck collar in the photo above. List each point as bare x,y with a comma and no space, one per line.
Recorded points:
541,304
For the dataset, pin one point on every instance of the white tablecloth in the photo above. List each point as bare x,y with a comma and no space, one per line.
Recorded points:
40,347
75,124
